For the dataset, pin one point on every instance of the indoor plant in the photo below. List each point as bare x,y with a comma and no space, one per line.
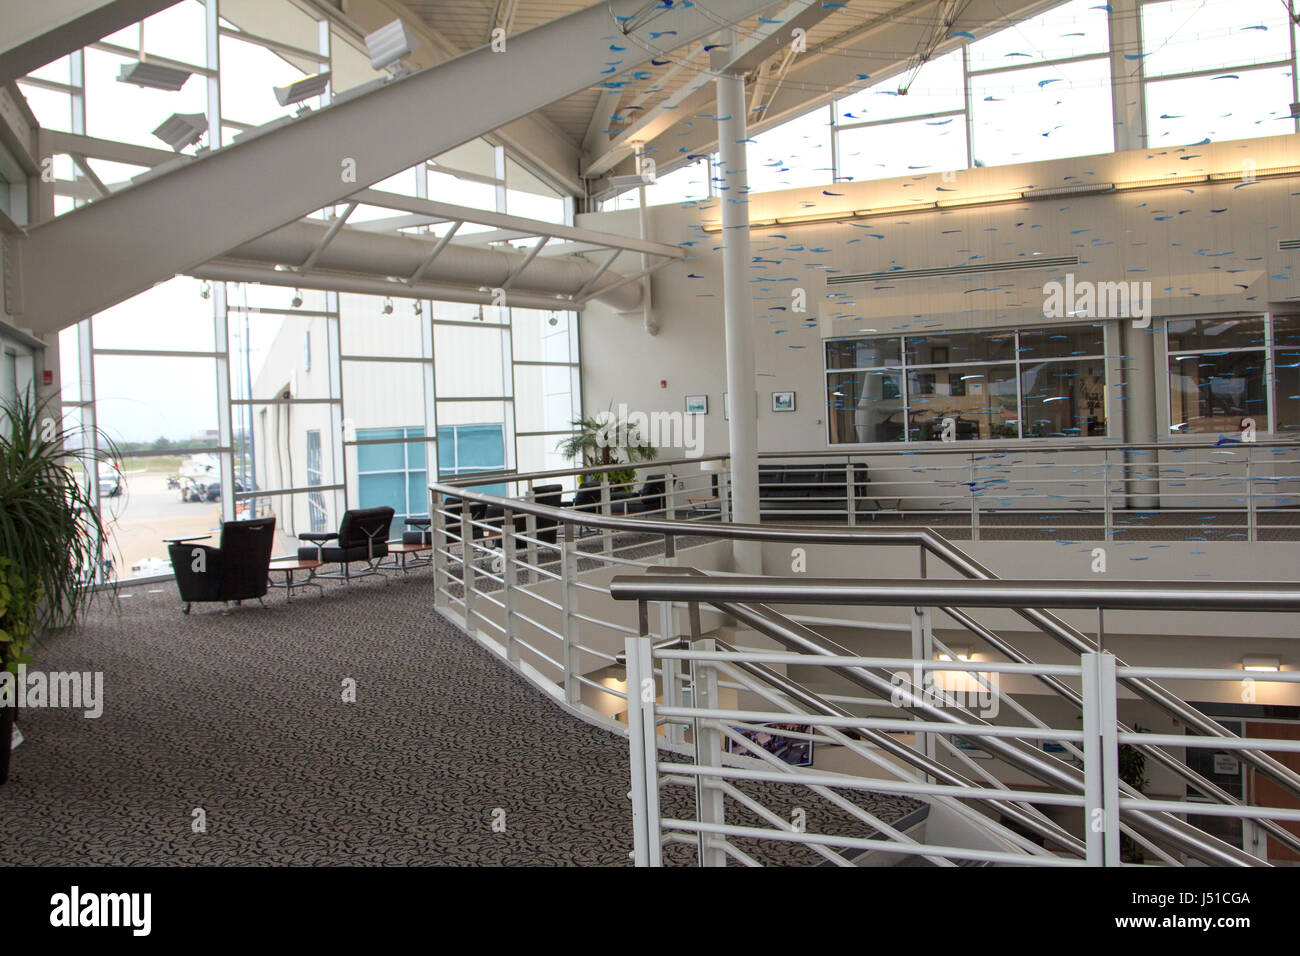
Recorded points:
51,537
603,439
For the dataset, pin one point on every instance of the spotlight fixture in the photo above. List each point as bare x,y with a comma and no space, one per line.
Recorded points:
388,306
303,89
1266,664
296,301
205,290
182,129
153,76
415,307
553,319
387,45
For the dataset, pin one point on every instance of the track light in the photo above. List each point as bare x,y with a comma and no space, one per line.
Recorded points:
387,45
553,319
416,306
303,89
388,307
296,301
153,76
182,129
205,290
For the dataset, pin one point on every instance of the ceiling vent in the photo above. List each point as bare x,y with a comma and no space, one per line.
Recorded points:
1288,245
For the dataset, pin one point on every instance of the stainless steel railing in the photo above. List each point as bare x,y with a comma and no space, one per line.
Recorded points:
545,619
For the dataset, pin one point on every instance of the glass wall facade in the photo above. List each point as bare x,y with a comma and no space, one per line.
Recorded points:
967,386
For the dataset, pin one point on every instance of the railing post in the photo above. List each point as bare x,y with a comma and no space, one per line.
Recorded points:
530,529
568,621
709,806
467,564
1101,759
670,495
508,583
606,536
1107,503
642,748
1251,520
438,538
974,502
923,650
850,496
724,492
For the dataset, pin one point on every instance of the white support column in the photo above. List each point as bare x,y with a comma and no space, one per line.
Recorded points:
742,429
1127,99
225,427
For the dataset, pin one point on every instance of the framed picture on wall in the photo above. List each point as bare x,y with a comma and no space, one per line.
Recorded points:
783,401
697,404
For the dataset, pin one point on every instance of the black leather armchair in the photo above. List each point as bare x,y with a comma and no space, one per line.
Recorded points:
235,570
362,536
649,497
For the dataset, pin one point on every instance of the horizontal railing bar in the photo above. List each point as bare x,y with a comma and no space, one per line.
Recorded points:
1208,673
1211,743
600,687
1211,809
998,592
887,724
892,663
881,785
866,843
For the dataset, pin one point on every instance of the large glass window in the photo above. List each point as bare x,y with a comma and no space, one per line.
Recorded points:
976,385
1219,374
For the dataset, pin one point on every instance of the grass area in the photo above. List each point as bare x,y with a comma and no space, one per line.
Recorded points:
167,465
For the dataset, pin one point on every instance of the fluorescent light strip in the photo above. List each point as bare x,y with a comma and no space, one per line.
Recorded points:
1028,194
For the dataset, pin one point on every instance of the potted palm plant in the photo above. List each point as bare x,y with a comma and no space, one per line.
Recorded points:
602,440
51,537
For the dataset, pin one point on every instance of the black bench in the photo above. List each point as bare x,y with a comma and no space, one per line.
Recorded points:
811,489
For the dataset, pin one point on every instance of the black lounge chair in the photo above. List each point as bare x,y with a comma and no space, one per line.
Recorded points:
362,536
235,571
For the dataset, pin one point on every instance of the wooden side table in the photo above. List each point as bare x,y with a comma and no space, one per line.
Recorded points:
404,550
289,566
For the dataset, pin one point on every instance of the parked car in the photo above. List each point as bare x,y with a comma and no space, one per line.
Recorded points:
110,486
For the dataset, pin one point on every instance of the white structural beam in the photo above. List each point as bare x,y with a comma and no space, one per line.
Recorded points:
738,58
514,224
38,32
103,253
534,140
829,71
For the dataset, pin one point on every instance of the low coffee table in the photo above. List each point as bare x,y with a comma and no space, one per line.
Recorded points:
405,550
289,566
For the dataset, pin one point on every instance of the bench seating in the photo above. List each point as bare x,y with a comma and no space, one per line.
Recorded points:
811,489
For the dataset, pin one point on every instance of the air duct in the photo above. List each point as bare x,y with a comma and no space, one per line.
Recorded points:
385,257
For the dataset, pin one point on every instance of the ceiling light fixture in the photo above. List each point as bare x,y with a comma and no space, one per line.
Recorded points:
303,89
1256,663
388,306
389,44
153,76
182,129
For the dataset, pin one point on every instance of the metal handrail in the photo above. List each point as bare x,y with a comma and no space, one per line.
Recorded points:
926,540
1000,592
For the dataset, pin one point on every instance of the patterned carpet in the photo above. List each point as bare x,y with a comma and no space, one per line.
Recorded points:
241,715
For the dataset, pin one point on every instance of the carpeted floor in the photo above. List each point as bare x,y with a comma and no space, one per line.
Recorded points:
241,716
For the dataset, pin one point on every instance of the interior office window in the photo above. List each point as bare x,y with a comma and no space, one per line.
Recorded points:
1034,383
1286,372
1217,374
393,474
